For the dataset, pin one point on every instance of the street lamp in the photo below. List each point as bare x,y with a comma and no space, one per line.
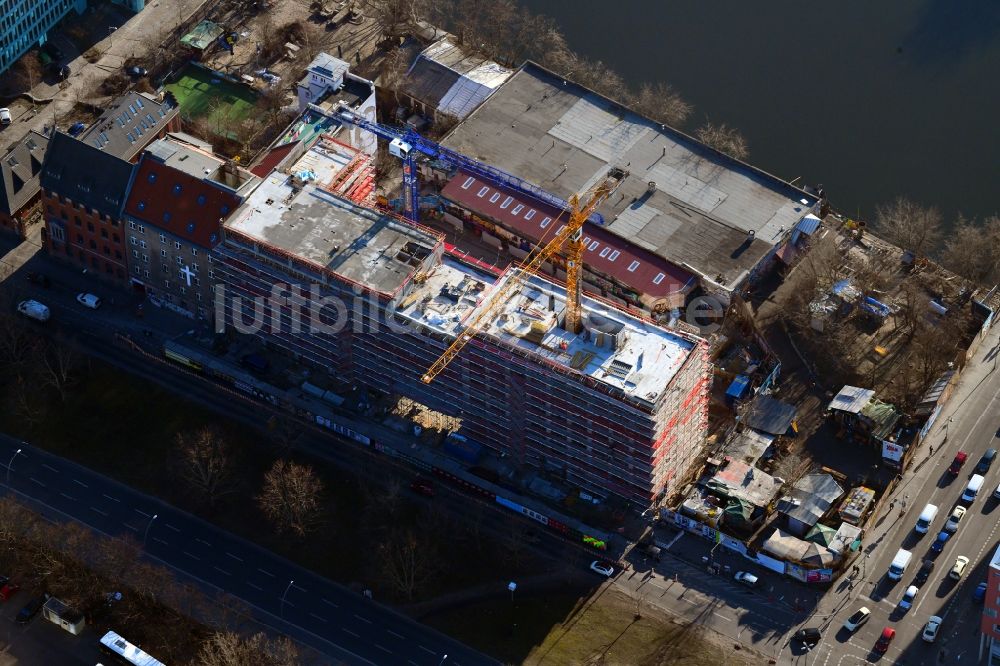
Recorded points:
16,453
442,660
282,611
146,533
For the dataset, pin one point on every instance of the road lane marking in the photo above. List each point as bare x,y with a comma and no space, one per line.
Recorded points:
38,482
69,497
385,649
134,529
727,619
318,617
394,633
221,570
266,573
159,540
193,557
113,499
427,650
363,619
329,603
287,603
238,559
203,542
348,631
94,508
50,468
142,513
256,587
81,483
299,587
169,526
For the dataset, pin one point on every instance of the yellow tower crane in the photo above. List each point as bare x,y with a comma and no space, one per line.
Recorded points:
572,232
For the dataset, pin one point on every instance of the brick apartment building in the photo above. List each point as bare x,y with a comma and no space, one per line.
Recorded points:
991,610
83,191
85,182
173,219
20,170
619,408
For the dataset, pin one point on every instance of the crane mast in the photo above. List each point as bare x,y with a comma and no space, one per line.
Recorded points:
572,231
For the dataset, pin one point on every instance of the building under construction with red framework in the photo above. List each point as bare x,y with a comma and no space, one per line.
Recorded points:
619,408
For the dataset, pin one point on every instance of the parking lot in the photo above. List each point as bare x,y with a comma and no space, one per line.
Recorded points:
41,642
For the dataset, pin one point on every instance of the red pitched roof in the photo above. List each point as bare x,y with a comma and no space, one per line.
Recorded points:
179,203
604,252
266,164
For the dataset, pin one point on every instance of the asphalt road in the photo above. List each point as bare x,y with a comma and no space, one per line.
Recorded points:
316,611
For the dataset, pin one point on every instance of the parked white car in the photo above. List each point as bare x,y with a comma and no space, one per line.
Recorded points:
907,601
745,578
859,618
5,117
954,519
931,629
34,310
959,567
603,568
88,301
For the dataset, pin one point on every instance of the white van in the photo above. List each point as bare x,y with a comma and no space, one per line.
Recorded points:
926,518
34,310
899,563
971,490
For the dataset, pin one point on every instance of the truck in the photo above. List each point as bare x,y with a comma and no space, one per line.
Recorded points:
34,310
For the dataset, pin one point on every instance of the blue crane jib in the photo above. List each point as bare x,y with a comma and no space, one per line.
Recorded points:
406,144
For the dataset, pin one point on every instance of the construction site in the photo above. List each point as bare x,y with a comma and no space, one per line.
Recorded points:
610,402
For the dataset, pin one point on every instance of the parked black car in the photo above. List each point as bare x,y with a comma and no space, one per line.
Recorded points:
30,609
986,461
925,572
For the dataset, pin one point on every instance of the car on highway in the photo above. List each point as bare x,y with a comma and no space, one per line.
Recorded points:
907,601
986,461
745,578
882,644
422,487
30,609
5,117
859,618
88,300
979,594
34,310
956,464
958,568
924,572
808,637
954,519
942,539
605,569
931,629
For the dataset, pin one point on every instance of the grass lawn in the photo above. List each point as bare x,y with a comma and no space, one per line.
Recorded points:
203,94
567,630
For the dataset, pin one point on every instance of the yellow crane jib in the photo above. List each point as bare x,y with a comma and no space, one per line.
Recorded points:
571,232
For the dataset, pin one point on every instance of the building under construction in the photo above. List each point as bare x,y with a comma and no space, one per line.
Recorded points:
620,407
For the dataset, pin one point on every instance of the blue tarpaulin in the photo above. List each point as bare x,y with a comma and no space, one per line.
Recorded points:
875,307
739,387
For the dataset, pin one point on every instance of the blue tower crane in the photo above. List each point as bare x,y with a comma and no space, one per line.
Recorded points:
406,144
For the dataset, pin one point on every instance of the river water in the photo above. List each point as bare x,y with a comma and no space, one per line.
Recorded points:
871,98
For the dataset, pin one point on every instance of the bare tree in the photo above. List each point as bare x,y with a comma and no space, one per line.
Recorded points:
206,465
661,103
910,226
231,649
723,138
291,497
284,431
973,250
58,368
407,560
394,18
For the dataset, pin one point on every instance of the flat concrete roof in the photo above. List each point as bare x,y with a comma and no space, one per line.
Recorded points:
615,348
563,137
295,213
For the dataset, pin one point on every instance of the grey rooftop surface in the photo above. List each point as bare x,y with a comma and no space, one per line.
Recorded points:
293,213
563,137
